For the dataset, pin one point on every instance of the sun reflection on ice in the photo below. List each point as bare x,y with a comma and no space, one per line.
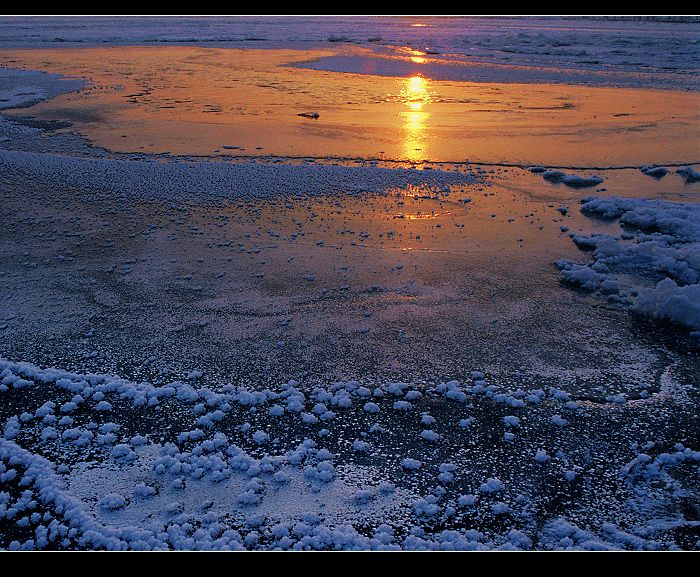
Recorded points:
416,95
415,56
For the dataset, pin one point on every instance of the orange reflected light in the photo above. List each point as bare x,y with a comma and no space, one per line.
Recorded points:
414,55
417,86
415,94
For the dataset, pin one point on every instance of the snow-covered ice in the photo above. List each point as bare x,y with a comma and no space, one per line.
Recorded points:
348,354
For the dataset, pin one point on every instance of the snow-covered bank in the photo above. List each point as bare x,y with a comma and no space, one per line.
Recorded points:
23,88
96,461
660,246
206,180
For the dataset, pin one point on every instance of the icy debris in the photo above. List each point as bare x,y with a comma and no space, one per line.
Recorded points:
123,453
665,247
21,96
427,419
667,300
323,472
361,446
143,491
78,437
559,420
48,433
541,456
572,180
519,539
12,428
575,181
111,502
371,407
492,485
511,421
402,406
553,175
655,171
199,460
689,173
426,507
260,437
411,464
309,418
363,496
467,501
276,411
446,475
8,475
396,389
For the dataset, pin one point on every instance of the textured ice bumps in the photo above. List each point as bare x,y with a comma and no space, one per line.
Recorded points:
653,268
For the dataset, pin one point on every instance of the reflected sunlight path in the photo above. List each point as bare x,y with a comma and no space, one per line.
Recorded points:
416,94
247,103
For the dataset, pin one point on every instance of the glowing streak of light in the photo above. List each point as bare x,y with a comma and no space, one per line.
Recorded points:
416,95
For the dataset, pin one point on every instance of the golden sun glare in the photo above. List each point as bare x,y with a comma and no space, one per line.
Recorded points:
416,95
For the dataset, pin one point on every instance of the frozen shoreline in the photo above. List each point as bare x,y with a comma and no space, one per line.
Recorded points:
282,354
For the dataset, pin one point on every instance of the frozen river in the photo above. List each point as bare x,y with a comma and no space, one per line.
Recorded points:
458,309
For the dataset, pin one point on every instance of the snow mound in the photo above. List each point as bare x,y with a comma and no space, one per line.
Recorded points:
667,300
572,180
654,268
689,173
655,171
